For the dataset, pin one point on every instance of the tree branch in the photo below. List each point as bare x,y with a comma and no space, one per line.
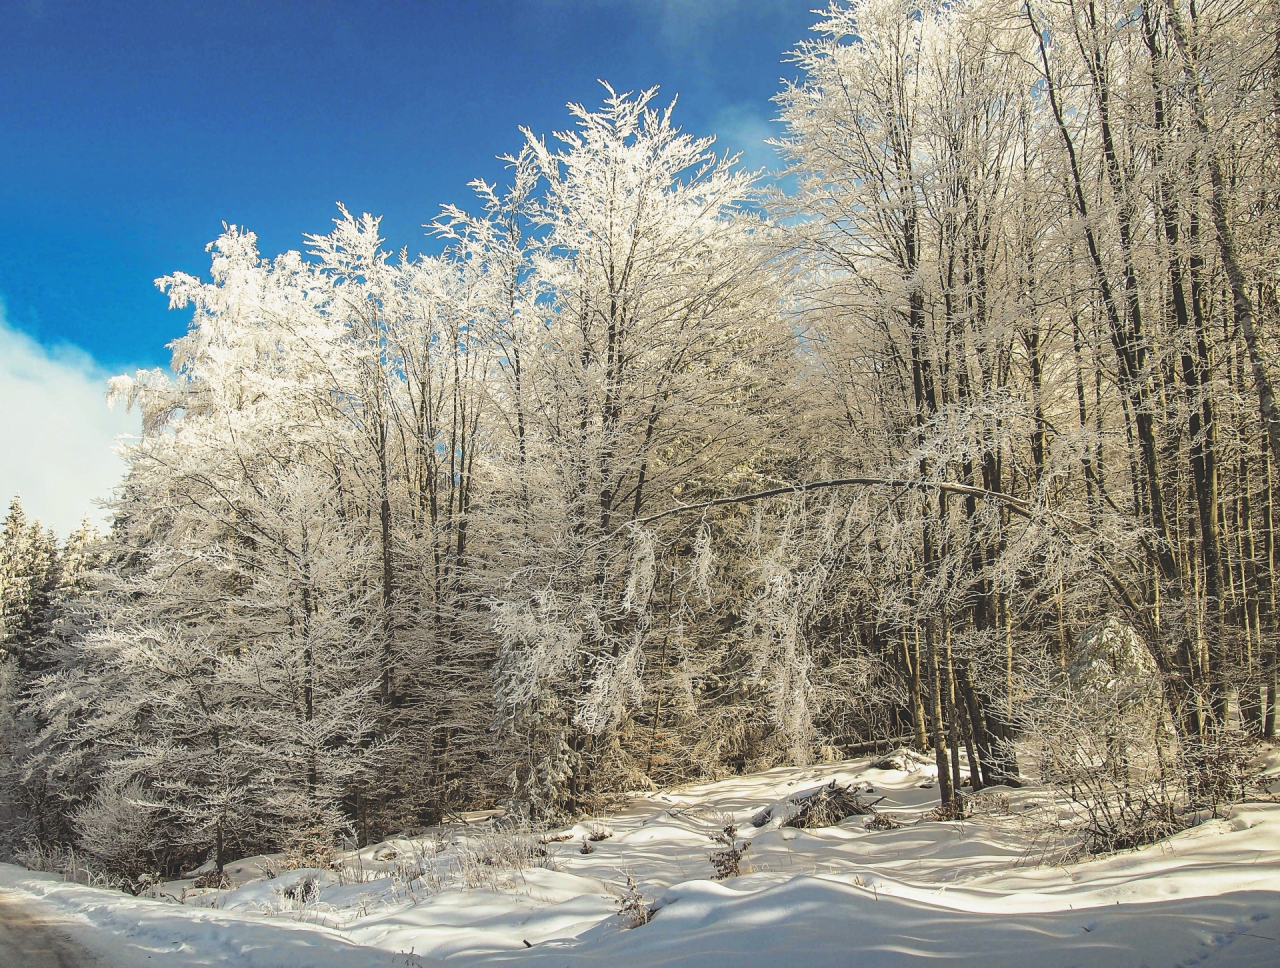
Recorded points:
1015,504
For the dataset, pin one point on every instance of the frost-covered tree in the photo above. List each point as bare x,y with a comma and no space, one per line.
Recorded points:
657,319
44,586
29,576
1010,290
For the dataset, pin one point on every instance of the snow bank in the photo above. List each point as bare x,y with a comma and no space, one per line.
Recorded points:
132,931
973,893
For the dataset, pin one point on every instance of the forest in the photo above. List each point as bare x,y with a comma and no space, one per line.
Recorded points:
962,436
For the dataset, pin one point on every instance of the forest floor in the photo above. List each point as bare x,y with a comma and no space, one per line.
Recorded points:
997,889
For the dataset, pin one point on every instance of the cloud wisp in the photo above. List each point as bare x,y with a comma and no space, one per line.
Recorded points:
684,23
57,435
742,128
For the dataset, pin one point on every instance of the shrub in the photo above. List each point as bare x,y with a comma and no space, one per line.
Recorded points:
119,829
633,907
728,860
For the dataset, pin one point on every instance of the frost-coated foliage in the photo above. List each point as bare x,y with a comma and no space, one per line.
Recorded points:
657,472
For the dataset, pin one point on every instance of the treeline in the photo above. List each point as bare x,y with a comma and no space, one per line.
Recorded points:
658,472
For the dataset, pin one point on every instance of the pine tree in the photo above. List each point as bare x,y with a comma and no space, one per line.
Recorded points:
29,576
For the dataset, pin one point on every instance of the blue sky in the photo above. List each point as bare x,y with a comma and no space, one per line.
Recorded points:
130,131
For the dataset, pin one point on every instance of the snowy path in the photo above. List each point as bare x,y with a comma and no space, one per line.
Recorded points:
130,932
31,939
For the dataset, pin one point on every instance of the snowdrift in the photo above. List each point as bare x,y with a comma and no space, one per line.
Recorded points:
979,893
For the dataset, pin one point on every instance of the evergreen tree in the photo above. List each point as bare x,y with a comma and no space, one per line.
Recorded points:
29,576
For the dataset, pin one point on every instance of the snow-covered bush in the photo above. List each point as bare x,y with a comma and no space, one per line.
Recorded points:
1104,740
634,908
121,828
70,865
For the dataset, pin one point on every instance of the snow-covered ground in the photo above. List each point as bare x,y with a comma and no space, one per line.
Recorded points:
985,892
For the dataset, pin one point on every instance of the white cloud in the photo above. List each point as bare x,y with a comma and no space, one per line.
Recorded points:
741,127
685,23
56,432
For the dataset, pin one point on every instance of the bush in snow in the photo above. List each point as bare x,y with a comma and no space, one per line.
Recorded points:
1106,743
633,907
69,864
120,829
728,860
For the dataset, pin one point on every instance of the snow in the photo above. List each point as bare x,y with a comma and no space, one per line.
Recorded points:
981,893
129,931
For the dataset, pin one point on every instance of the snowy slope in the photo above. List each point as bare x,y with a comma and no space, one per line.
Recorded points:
131,932
978,893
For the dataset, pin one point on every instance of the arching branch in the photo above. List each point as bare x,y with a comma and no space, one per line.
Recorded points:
1015,504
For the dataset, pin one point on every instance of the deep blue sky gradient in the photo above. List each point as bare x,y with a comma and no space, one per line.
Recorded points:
130,131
